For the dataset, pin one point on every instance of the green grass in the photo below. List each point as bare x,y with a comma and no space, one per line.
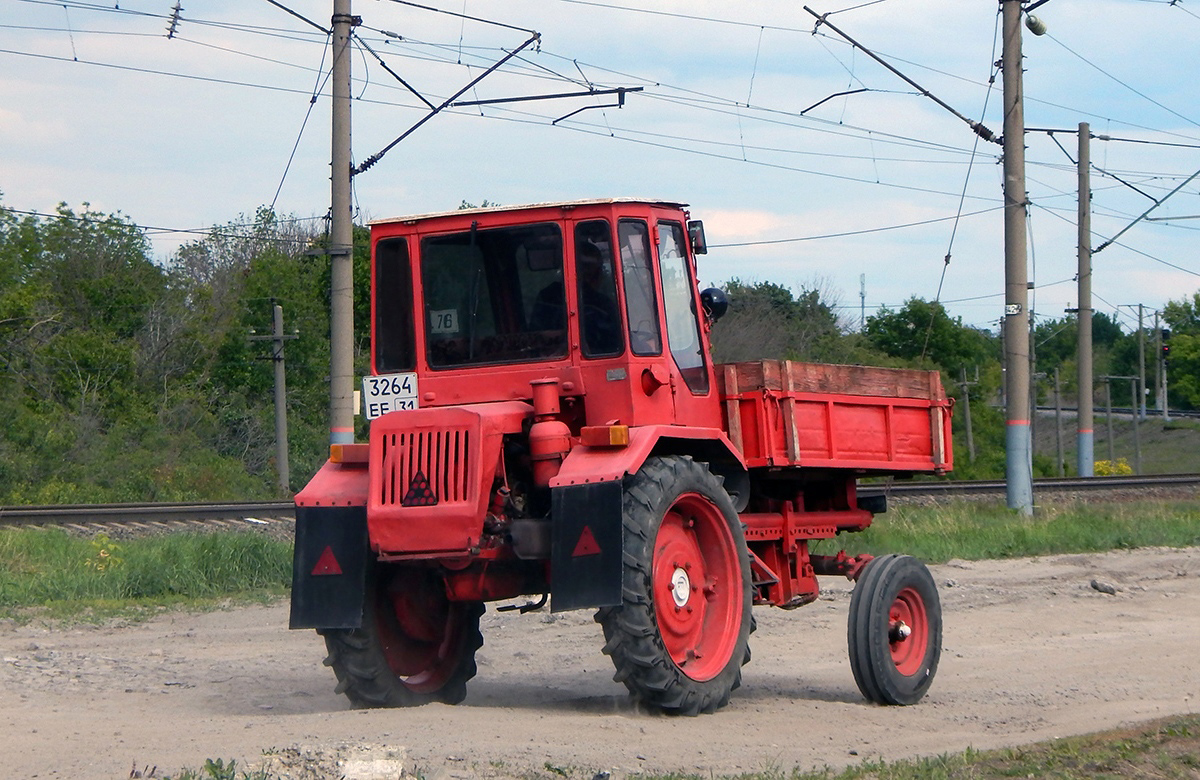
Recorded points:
1167,448
51,573
1169,748
977,531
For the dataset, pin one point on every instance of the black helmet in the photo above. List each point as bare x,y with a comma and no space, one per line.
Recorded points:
715,303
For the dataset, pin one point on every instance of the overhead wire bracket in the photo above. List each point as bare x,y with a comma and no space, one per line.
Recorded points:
1145,213
979,128
831,97
367,163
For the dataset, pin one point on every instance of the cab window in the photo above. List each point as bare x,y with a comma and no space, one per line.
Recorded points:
679,302
637,271
596,288
393,307
494,296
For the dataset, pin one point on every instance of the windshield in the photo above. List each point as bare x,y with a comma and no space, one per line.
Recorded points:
494,296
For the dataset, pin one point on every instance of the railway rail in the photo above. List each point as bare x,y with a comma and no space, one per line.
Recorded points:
277,517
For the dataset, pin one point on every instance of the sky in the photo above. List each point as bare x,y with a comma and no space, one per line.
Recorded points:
811,165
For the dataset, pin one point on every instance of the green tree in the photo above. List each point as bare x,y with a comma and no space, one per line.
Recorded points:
923,333
767,321
1182,318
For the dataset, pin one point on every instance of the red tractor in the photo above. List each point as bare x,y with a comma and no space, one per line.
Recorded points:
546,421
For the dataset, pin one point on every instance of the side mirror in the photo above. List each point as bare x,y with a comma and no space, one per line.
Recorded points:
696,236
715,303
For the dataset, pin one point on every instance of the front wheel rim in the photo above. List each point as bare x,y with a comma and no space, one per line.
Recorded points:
908,631
696,587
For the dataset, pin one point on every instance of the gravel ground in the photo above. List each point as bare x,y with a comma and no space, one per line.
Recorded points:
1032,650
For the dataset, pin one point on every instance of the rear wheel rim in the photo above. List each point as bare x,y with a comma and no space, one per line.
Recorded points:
420,633
908,631
696,587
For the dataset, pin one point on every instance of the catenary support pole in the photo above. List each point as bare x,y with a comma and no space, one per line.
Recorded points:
1018,449
1086,438
341,244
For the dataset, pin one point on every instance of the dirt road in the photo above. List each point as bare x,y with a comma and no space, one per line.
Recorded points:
1031,651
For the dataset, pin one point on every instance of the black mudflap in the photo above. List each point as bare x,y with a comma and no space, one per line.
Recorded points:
586,546
329,567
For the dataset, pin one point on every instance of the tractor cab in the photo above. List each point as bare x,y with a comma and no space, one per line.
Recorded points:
599,296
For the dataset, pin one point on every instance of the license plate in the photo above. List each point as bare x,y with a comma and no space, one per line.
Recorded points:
388,393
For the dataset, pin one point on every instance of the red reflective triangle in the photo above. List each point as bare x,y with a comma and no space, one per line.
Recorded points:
327,563
419,492
586,544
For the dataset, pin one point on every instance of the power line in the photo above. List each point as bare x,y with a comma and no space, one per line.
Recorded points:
154,72
98,218
1132,89
862,232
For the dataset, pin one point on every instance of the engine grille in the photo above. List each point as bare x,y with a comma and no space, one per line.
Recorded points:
426,467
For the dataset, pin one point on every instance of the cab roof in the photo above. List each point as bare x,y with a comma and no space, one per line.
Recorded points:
529,207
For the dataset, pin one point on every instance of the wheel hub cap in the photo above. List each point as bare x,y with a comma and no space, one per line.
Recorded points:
681,587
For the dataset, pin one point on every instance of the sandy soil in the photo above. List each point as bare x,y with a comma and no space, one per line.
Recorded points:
1031,651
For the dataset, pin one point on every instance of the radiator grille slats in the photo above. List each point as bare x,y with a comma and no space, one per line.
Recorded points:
418,465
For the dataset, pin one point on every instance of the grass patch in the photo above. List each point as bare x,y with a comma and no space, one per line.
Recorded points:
1168,748
51,573
976,531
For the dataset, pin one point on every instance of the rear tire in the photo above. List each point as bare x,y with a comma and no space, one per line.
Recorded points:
895,630
680,636
415,646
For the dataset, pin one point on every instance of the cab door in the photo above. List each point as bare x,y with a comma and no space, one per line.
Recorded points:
693,393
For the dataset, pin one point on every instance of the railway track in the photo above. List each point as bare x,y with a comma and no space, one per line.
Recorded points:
278,519
274,517
982,487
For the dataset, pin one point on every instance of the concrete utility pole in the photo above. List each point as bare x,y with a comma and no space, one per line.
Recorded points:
1018,440
1133,412
862,303
966,391
1140,405
341,243
1086,438
281,437
1060,461
1137,441
1158,401
1108,406
277,338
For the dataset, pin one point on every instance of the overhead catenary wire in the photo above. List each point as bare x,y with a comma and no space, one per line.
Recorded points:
963,197
312,102
618,131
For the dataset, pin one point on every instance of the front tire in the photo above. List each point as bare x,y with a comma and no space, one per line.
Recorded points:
895,630
679,638
415,646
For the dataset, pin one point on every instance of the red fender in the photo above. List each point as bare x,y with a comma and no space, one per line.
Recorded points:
585,465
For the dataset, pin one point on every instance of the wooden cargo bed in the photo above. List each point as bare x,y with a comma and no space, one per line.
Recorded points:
874,420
